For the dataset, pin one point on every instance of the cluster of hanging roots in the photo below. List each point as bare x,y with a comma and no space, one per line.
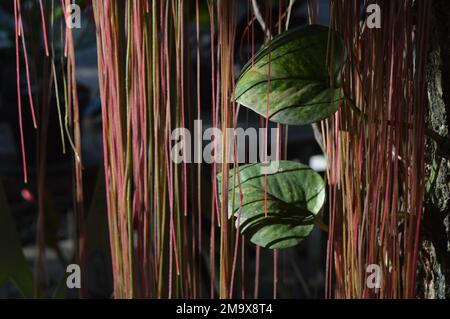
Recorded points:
376,151
147,90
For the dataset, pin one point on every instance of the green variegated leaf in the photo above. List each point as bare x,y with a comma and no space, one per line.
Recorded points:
300,91
13,265
295,194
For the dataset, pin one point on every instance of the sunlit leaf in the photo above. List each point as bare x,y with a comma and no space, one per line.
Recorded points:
300,91
295,194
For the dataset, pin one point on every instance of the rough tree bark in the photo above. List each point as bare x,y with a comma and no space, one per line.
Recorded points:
434,260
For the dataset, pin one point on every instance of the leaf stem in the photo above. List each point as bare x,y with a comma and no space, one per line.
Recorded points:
318,222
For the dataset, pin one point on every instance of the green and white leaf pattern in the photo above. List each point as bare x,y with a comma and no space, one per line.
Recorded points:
300,91
295,195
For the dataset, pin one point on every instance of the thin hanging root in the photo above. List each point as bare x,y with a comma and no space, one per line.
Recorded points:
19,98
58,105
66,122
27,71
44,27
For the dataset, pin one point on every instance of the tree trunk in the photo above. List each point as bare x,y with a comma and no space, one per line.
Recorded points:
434,260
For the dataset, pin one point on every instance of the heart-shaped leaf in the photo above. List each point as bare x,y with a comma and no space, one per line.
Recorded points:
295,194
300,91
